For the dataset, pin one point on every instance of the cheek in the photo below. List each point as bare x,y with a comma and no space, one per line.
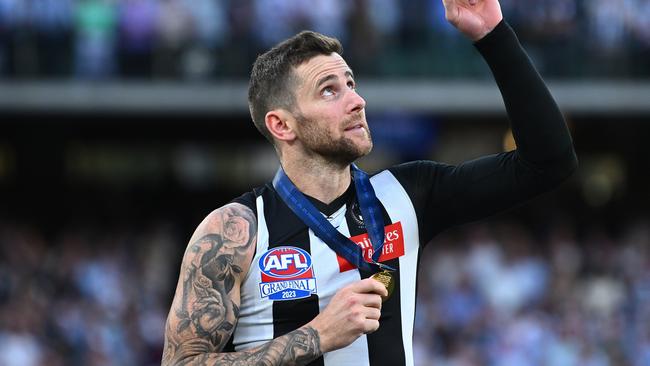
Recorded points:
324,118
331,121
333,128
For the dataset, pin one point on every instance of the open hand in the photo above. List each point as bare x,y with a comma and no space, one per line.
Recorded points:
474,18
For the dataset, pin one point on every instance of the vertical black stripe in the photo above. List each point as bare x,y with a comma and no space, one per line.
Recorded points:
385,346
286,229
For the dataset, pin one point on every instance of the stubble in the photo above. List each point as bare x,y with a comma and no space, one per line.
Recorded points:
319,141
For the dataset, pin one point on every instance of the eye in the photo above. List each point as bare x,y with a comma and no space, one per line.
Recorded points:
327,91
352,85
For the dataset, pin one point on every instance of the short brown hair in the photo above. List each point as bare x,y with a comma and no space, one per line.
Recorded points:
273,81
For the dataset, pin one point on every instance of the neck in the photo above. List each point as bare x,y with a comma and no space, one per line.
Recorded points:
319,179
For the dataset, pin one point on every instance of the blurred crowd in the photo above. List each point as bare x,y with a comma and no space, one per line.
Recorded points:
488,294
497,295
91,296
208,39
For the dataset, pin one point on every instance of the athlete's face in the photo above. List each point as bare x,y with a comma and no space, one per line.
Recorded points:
330,115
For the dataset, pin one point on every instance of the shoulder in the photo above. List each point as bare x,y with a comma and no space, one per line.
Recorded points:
234,223
418,171
249,199
230,230
417,165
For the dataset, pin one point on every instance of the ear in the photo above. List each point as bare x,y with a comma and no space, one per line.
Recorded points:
279,122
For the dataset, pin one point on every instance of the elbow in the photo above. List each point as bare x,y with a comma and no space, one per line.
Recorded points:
169,362
569,165
183,362
558,171
178,360
548,175
574,163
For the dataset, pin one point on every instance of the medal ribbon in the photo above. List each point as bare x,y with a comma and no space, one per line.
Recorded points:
370,211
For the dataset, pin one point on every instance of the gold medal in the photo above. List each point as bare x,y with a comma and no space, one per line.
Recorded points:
386,278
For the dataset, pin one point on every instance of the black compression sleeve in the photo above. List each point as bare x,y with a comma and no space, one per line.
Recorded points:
445,195
537,123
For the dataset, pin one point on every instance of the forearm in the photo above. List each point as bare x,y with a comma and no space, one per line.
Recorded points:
299,347
537,123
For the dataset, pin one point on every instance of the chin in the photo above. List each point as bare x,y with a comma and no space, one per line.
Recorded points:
344,151
359,153
365,150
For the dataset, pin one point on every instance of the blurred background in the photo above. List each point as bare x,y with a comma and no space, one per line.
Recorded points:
124,122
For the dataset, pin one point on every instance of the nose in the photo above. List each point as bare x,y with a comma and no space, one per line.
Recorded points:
356,103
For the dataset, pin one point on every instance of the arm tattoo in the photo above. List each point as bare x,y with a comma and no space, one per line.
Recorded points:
205,309
296,348
203,314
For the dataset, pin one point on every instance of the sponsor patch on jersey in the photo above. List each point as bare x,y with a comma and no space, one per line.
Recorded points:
393,246
287,274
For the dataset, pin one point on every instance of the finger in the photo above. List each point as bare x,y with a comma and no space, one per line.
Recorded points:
371,300
383,291
370,325
373,313
369,286
380,288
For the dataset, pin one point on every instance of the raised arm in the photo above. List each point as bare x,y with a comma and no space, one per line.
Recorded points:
544,156
446,195
537,123
205,308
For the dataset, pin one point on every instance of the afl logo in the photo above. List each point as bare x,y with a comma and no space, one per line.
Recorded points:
285,262
287,274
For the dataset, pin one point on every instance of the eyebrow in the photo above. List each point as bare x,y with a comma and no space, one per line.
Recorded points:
331,77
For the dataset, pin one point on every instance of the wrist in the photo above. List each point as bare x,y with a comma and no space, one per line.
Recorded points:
323,339
495,36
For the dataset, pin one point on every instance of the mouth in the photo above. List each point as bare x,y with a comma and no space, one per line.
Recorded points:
358,126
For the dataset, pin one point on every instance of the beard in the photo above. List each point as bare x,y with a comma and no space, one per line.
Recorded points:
319,141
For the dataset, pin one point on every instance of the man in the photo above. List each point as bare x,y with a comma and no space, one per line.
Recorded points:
266,281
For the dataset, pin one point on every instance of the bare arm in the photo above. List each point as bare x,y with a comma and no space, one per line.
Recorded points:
205,308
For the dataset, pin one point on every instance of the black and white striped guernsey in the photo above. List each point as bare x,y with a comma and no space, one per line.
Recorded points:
262,319
419,200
